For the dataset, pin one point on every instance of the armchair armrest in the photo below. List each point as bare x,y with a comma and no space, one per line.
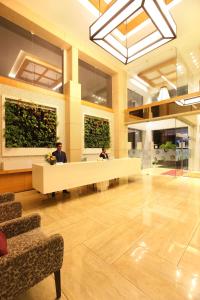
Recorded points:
20,225
24,268
10,210
5,197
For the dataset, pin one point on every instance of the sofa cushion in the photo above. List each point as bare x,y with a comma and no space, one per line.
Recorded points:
3,244
25,241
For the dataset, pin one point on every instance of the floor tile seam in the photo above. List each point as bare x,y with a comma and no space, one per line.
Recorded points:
147,295
99,222
151,253
135,243
190,239
147,231
109,225
83,243
79,221
127,249
97,254
120,214
124,224
63,226
53,277
67,298
160,226
68,251
137,287
114,268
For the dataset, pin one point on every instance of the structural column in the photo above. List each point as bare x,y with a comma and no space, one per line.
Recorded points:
72,90
119,96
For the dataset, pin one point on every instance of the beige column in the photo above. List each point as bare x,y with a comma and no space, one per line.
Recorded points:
72,90
119,96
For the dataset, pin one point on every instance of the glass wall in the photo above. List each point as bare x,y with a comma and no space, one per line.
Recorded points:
167,147
26,57
96,86
134,99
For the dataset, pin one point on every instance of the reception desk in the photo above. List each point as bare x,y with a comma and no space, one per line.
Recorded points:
48,179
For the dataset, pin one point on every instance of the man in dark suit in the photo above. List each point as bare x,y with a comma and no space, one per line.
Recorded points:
60,157
59,154
103,154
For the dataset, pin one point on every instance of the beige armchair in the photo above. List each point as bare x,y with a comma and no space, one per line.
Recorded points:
31,257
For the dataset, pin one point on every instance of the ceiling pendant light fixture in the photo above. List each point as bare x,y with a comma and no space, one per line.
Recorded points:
163,93
121,12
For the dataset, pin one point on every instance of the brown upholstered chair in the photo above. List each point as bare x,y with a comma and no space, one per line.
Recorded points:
5,197
31,257
10,210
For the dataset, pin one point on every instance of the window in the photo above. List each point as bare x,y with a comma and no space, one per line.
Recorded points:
27,57
96,86
134,99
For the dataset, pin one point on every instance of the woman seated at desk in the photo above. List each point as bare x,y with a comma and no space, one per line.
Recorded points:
103,154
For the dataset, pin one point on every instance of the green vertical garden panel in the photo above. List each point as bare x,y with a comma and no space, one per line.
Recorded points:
29,125
97,132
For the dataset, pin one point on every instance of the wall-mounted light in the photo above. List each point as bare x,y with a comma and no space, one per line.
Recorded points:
101,30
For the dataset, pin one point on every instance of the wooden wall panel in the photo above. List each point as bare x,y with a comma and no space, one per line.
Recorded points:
15,181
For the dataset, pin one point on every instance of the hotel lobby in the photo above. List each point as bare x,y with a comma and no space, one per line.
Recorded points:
87,75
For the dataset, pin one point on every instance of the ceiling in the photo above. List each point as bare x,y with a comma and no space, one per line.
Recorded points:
74,19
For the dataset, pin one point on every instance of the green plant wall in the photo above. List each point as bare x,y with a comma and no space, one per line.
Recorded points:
28,125
97,132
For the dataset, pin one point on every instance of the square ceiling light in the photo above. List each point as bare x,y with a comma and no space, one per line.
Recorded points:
33,70
121,12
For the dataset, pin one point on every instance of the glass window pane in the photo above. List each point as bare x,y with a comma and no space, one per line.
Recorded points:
96,86
134,99
27,57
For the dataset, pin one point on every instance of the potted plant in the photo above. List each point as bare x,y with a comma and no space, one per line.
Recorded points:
168,146
51,159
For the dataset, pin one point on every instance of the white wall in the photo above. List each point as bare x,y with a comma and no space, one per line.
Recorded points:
93,154
20,158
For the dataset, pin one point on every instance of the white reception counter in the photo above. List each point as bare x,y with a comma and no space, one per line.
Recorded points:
48,179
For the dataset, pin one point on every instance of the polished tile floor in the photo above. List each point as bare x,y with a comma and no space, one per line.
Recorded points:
135,241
